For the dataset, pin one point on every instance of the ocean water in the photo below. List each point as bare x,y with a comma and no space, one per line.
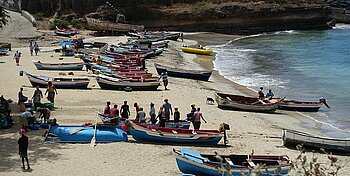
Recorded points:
299,65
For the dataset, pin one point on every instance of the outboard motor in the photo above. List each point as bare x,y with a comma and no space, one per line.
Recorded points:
323,101
223,127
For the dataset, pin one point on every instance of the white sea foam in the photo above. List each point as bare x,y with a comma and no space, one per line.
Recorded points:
341,26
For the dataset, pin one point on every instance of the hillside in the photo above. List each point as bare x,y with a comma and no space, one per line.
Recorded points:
224,16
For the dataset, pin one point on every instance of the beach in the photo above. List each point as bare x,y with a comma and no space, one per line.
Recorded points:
249,131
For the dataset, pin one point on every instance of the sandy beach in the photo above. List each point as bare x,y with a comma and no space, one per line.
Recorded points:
249,131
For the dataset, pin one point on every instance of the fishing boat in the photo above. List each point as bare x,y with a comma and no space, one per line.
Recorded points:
67,30
4,51
184,124
182,73
244,103
5,46
100,25
111,83
58,66
174,135
293,138
59,83
84,134
196,51
192,162
62,33
305,106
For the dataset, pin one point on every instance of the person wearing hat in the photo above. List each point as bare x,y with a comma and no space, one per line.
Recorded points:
50,91
167,109
261,93
152,113
25,116
176,117
23,147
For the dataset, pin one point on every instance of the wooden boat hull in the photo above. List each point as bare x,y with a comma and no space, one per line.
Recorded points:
59,66
293,138
99,25
181,73
85,133
5,46
190,162
59,83
196,51
292,105
239,102
4,51
121,85
142,133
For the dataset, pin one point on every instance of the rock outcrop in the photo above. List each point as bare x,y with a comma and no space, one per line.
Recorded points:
240,16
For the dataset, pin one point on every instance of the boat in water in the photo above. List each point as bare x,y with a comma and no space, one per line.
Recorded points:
84,134
192,162
303,106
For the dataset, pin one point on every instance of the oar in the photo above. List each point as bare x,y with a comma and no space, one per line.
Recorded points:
93,140
76,130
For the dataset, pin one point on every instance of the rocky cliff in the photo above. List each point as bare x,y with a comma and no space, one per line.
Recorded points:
225,16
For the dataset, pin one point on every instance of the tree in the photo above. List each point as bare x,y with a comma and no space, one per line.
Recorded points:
3,17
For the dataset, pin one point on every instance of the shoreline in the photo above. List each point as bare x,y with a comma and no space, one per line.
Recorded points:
305,123
249,131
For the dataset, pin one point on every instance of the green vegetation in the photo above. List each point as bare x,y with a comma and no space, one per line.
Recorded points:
60,22
3,17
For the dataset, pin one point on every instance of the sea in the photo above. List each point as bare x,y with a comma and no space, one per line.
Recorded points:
298,65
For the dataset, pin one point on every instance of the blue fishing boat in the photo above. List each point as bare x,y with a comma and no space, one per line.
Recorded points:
4,51
84,134
174,135
192,162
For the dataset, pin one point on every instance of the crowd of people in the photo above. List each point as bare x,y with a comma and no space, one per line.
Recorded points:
165,113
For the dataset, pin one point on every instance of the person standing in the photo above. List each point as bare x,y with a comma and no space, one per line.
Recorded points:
36,48
38,95
182,36
50,91
23,148
167,109
31,48
161,116
164,77
152,113
197,119
176,117
141,116
137,109
17,57
125,112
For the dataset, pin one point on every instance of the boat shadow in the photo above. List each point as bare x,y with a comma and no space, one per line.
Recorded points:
233,109
180,145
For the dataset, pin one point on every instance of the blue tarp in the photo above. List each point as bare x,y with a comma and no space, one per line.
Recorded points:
65,43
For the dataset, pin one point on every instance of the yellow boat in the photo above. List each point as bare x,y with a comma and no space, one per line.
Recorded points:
196,51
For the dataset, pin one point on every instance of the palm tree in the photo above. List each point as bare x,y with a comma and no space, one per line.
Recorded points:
3,17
